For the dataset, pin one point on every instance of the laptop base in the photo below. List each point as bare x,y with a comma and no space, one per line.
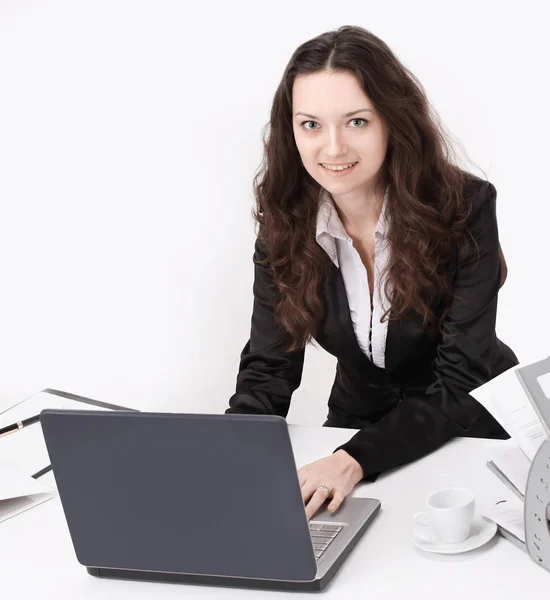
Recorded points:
316,585
234,582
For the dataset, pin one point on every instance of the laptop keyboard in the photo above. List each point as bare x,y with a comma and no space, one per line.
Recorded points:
322,535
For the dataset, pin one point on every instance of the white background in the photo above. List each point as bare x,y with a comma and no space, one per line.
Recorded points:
130,133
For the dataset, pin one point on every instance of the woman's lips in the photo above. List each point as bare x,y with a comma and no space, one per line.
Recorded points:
339,173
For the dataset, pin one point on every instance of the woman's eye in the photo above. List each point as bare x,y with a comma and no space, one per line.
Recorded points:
312,129
304,122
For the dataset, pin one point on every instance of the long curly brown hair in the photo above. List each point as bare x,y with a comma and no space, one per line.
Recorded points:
426,210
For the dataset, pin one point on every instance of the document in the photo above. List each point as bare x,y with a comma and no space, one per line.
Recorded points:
505,398
508,515
19,491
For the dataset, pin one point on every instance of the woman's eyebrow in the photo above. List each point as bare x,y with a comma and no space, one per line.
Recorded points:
350,114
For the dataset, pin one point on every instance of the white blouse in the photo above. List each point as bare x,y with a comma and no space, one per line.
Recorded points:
333,238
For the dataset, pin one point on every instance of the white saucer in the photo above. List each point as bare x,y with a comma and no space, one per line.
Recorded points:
482,531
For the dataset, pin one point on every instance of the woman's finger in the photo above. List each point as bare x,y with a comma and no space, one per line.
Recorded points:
336,501
316,502
308,489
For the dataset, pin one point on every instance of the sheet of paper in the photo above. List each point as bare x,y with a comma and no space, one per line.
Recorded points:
508,514
513,463
544,382
505,398
19,491
14,483
34,455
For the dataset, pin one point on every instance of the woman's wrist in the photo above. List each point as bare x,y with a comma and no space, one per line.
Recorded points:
356,470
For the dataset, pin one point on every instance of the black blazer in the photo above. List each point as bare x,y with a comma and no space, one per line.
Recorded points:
420,399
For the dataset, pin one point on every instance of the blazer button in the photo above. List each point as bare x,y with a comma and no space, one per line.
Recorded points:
397,388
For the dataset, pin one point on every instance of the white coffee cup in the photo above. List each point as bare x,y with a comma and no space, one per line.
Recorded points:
449,517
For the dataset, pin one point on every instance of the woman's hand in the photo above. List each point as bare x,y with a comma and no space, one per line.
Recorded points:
337,475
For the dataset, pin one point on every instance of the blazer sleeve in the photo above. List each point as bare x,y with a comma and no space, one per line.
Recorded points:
268,373
423,421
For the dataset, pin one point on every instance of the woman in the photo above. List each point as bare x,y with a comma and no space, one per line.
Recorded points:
390,263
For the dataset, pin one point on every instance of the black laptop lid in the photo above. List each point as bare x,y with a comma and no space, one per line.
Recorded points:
178,493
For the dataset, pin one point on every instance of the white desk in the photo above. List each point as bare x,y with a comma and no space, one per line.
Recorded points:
37,558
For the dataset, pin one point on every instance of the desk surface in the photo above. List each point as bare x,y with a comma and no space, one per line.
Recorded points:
37,558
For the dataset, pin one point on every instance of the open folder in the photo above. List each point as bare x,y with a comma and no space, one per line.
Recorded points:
19,491
25,449
23,454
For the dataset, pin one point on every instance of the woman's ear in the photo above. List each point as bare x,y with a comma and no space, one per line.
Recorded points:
503,267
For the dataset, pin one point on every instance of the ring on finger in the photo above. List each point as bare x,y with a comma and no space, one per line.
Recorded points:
325,488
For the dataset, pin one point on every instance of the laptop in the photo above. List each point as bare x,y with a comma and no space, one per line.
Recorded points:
192,498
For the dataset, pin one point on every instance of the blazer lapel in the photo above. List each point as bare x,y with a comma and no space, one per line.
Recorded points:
338,335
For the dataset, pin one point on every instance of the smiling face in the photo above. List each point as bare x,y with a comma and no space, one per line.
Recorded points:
332,127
